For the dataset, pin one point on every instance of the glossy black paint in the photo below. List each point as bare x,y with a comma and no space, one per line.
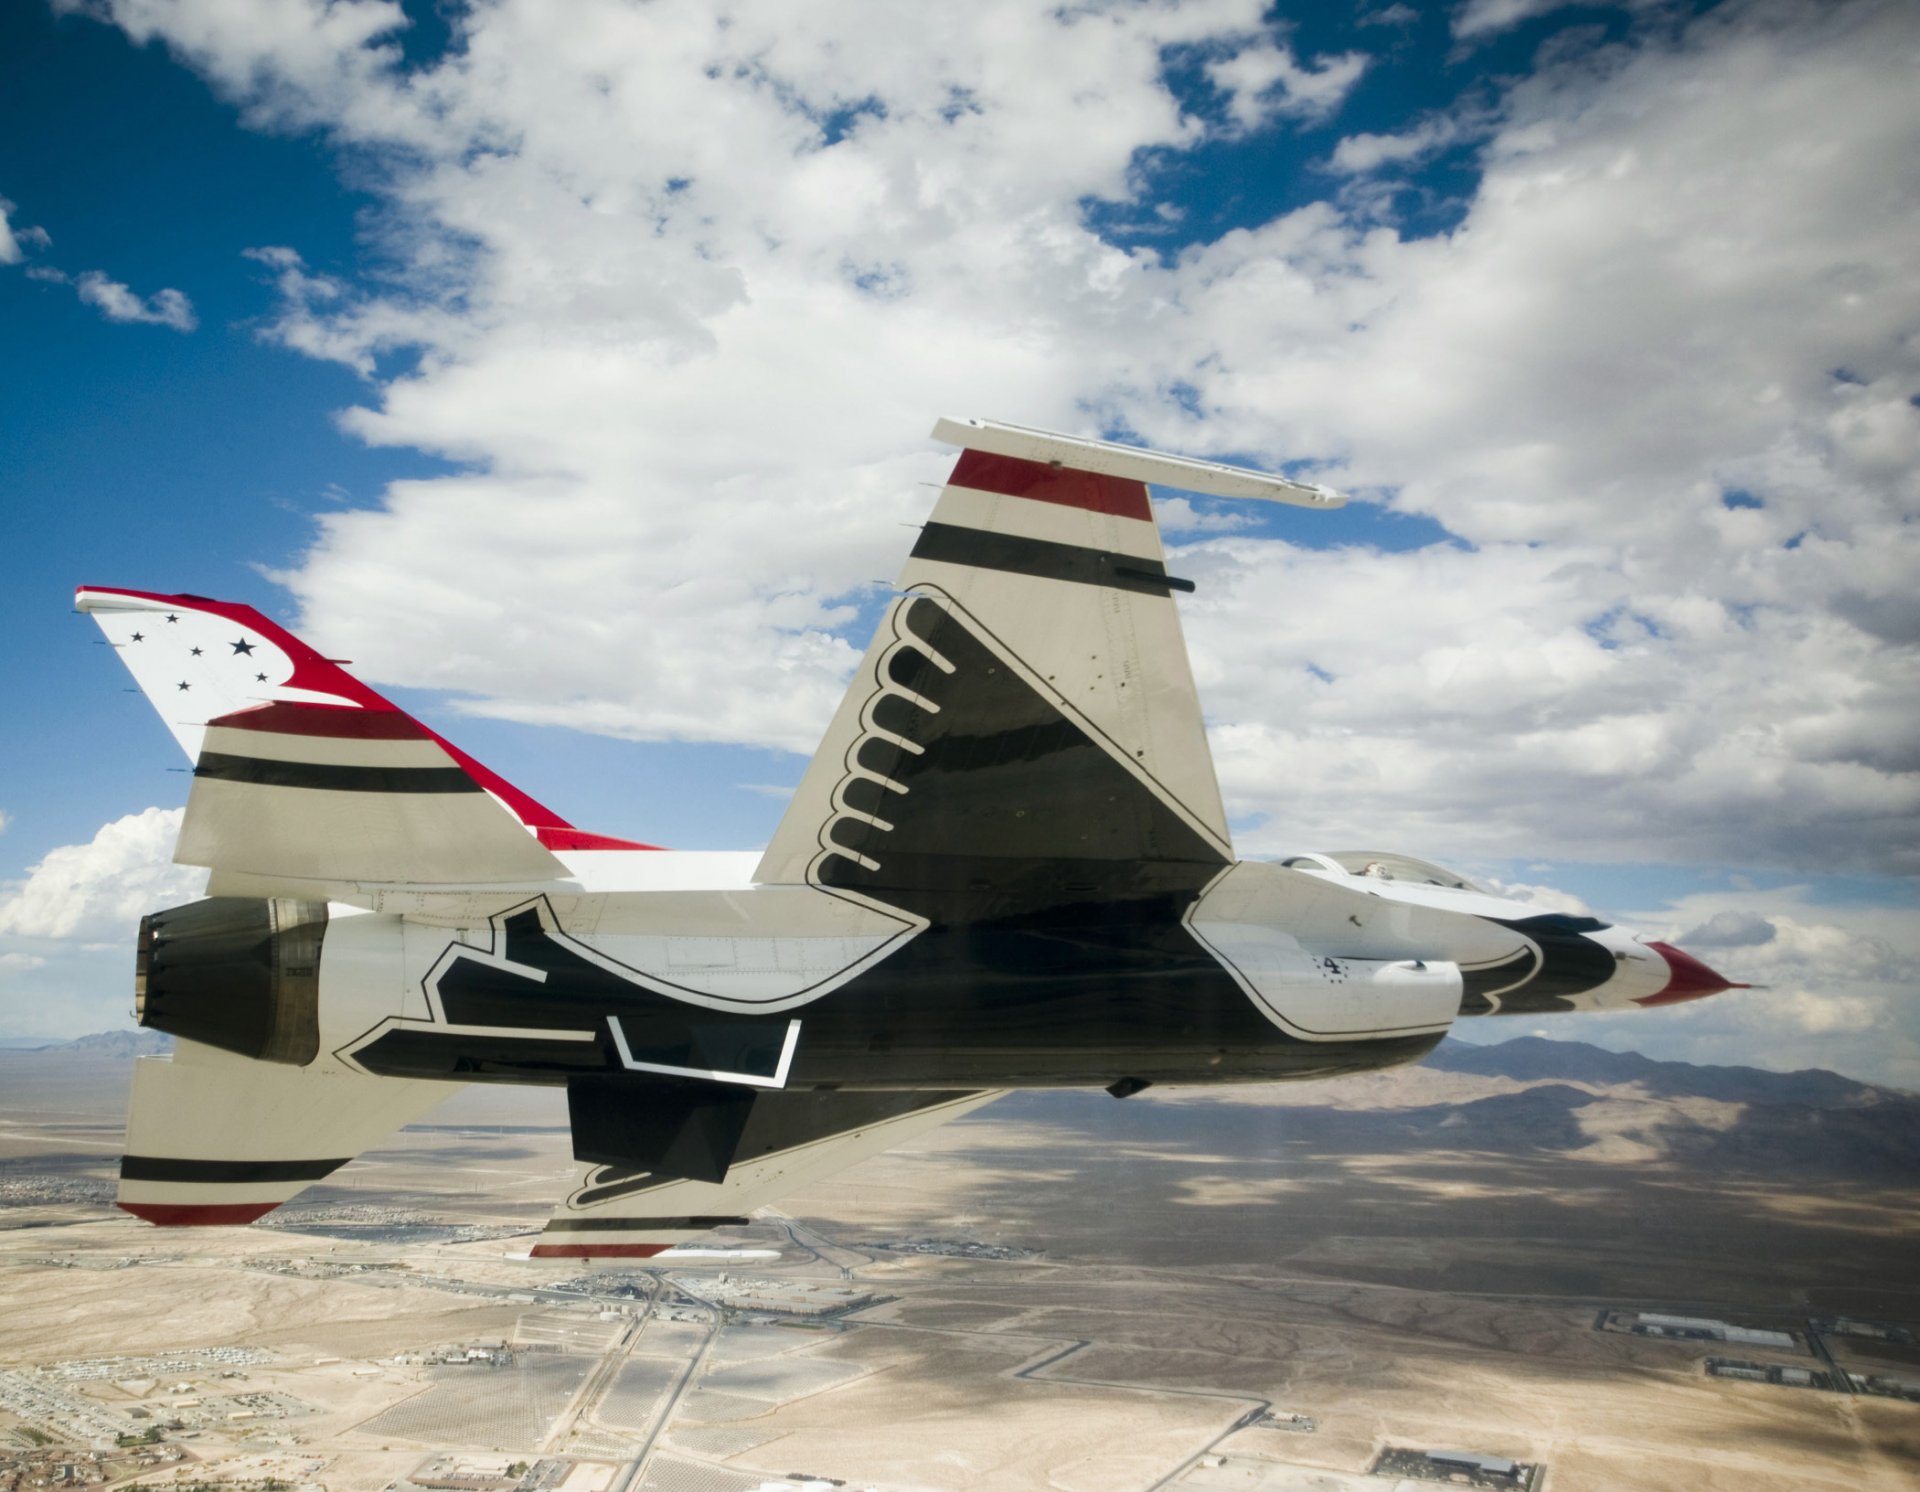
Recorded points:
1077,997
1570,963
331,777
1053,880
957,545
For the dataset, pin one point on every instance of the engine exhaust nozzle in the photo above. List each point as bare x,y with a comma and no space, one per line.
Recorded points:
235,972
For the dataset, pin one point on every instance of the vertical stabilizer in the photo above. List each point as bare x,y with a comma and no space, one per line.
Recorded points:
1030,690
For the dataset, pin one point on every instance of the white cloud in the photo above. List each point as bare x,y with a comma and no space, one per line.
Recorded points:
291,63
1546,898
10,251
1837,986
1265,82
1178,517
67,929
687,298
14,241
1488,17
118,303
1358,154
115,301
1643,306
112,299
1796,951
101,889
1731,930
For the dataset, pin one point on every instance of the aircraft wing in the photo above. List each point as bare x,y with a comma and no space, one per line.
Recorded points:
790,1140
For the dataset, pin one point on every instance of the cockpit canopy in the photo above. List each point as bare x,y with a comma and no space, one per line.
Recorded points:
1384,865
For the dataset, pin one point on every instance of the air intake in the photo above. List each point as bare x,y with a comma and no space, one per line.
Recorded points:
239,973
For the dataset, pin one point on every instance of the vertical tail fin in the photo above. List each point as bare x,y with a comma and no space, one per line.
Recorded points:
1029,699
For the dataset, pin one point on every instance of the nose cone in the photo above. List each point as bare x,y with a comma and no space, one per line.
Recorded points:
1688,979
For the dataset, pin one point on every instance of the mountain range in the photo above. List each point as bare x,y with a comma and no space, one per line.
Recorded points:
1567,1099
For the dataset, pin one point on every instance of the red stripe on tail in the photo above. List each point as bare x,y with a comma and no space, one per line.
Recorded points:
337,722
1011,477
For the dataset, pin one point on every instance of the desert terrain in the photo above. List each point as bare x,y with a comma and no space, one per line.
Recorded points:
1263,1288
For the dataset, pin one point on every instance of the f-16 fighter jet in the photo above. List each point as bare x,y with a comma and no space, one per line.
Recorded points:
1007,867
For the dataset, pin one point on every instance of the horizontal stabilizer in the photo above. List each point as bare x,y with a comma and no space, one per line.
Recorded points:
788,1141
215,1138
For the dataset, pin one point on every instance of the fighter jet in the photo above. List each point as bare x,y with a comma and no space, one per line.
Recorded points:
1007,866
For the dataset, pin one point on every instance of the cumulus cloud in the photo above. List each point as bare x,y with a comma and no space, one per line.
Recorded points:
115,301
1837,985
101,889
1480,18
1641,309
686,296
1266,82
1730,930
10,251
14,241
118,303
1178,517
1358,154
1546,898
1797,952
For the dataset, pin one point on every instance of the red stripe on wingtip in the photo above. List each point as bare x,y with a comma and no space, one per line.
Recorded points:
337,722
1011,477
198,1215
597,1250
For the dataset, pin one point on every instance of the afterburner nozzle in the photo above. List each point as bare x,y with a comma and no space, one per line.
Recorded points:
238,973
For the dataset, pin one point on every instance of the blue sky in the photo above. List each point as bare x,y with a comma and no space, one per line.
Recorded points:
144,458
612,296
